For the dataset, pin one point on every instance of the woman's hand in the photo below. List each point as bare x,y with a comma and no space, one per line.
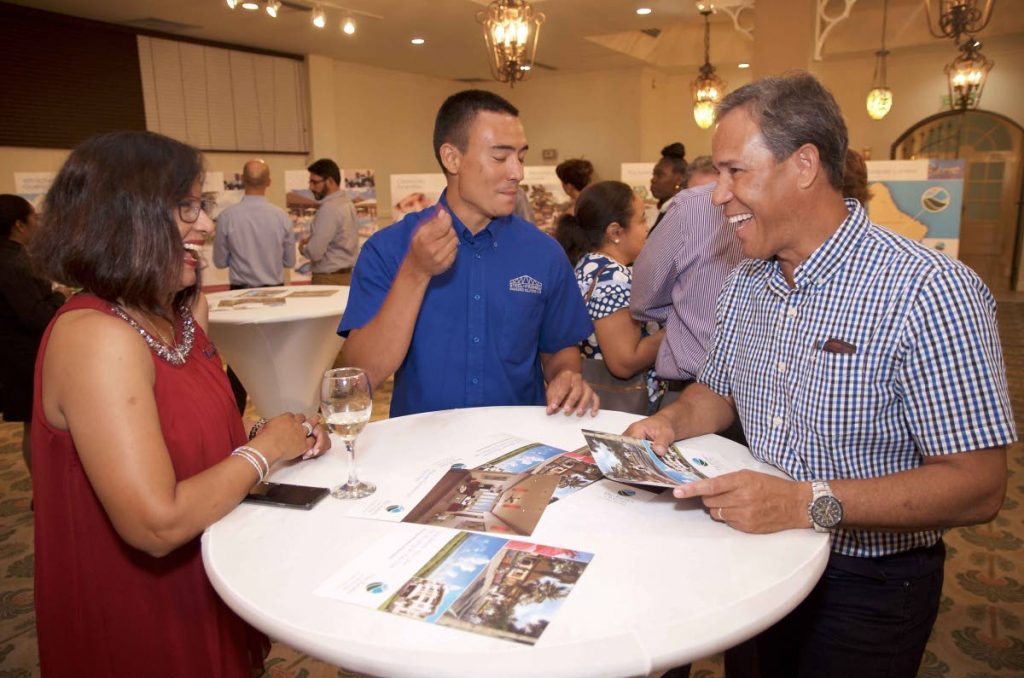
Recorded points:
289,435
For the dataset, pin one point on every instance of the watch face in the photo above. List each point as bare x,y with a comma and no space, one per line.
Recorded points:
827,512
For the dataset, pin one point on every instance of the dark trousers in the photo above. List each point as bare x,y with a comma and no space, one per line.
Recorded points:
866,617
236,385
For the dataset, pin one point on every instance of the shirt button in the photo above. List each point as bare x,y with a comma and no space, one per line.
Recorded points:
781,366
476,340
475,380
476,297
477,256
776,422
791,312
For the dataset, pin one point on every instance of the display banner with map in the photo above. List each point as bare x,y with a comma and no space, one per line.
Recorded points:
638,176
919,199
547,199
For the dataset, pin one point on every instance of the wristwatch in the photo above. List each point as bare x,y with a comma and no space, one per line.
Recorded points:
825,511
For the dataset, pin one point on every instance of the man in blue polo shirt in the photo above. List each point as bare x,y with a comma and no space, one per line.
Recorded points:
467,304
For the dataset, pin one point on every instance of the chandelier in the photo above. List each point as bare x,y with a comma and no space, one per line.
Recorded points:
954,18
967,75
511,29
708,88
879,100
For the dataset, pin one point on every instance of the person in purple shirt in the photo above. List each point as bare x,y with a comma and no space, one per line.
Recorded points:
678,275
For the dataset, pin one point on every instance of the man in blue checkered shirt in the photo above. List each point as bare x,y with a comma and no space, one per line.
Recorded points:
865,366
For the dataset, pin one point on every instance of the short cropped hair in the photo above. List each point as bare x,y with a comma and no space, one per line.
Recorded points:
793,110
258,177
108,223
326,168
458,112
702,164
13,208
576,172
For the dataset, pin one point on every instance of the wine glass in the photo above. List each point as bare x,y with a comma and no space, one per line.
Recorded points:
346,405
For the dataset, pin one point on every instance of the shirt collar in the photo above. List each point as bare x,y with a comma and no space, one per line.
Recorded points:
490,231
824,262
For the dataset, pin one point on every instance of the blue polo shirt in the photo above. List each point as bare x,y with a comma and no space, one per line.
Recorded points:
509,296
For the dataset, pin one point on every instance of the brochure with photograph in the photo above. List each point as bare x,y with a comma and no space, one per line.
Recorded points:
313,293
631,460
264,294
480,583
485,501
575,470
251,303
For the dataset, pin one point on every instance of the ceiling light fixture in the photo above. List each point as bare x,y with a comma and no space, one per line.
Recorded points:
967,75
319,17
232,4
954,18
708,88
417,41
511,30
741,66
643,11
879,101
348,26
273,7
250,5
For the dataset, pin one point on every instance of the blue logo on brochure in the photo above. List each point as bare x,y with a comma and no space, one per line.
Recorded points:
459,465
376,587
395,508
627,493
699,462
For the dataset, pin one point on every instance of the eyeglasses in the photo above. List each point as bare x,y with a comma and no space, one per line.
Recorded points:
188,210
316,182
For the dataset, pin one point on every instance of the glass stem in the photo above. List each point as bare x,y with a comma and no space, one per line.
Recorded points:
350,449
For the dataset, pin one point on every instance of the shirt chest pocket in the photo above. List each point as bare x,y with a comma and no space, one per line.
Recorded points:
519,339
844,394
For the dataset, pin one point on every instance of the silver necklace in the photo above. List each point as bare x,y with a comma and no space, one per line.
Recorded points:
175,354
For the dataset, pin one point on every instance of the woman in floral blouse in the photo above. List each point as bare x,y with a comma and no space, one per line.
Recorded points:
602,239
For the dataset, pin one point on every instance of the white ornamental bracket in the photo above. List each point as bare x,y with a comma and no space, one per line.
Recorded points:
824,23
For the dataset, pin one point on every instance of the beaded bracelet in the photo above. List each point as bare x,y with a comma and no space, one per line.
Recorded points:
255,464
257,427
253,450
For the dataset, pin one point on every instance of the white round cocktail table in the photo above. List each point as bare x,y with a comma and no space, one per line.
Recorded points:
667,585
280,352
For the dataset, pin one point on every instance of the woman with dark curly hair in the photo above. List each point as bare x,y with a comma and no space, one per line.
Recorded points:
575,175
138,444
668,177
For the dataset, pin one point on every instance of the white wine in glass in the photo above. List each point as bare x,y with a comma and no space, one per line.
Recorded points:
346,406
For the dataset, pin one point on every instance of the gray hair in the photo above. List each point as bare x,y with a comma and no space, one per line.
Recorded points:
793,110
702,164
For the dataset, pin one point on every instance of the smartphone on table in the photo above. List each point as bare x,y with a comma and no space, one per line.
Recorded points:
283,494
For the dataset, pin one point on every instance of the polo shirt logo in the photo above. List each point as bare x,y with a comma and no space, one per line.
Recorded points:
525,283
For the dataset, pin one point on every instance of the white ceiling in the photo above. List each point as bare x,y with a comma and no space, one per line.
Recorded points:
578,35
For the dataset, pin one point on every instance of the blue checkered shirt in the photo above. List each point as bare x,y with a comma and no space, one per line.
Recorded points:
925,376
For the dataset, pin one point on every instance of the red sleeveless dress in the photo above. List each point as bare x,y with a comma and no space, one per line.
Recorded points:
102,606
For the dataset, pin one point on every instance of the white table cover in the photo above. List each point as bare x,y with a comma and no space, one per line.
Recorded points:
667,585
280,353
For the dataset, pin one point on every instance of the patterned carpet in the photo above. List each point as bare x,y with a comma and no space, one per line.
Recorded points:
978,634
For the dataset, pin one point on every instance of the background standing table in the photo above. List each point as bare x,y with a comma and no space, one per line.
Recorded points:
667,585
280,353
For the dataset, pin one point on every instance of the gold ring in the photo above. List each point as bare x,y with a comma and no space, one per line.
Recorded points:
720,514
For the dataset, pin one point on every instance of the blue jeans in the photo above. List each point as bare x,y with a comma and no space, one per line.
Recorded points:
866,617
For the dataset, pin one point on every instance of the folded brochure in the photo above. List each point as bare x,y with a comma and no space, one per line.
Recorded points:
633,460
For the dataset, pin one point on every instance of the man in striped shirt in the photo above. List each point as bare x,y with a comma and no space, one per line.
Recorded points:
865,366
678,275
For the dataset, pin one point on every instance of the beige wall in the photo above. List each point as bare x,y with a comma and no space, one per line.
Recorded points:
50,160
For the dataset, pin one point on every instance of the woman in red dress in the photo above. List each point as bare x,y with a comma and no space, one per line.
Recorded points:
138,443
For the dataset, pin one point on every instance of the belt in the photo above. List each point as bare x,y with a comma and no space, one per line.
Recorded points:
677,384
